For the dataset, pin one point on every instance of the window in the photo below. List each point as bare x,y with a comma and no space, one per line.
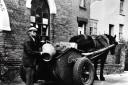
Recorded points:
95,31
82,23
91,30
83,4
120,31
93,27
111,29
81,28
121,6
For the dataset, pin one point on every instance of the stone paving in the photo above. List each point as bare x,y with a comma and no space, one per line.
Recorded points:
114,79
111,79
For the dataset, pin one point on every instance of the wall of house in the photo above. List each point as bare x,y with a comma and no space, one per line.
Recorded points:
11,43
126,19
85,14
65,21
112,16
63,26
107,12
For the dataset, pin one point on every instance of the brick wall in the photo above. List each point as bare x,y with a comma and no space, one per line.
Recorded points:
65,21
63,26
11,42
19,20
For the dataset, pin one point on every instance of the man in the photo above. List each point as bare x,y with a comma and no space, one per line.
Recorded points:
30,55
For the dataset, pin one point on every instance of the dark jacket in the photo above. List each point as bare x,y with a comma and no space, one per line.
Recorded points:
30,53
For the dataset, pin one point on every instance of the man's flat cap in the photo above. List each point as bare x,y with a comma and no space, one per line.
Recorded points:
32,29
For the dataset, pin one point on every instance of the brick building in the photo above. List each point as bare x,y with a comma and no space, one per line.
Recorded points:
71,16
61,26
11,41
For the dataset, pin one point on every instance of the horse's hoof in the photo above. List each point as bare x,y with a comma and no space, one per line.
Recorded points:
102,78
96,78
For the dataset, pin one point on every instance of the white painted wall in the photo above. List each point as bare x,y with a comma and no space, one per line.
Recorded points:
107,12
126,20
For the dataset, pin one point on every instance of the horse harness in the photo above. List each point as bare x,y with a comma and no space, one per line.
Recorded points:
96,40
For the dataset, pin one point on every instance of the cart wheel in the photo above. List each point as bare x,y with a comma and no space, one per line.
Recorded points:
83,72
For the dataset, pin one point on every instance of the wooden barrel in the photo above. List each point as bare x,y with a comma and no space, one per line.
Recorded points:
64,65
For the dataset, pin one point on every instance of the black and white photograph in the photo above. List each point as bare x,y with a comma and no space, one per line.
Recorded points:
63,42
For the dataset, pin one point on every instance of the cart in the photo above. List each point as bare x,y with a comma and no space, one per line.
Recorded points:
68,67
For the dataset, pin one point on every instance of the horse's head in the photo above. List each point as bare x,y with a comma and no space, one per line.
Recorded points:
112,40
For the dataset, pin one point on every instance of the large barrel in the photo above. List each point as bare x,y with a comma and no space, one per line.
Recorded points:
64,65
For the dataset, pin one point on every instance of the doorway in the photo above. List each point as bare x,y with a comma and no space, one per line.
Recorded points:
40,17
111,29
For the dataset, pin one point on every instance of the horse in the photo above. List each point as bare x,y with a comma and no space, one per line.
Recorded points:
88,43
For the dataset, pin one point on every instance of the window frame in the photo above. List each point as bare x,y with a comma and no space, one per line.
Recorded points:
82,26
121,31
121,11
111,29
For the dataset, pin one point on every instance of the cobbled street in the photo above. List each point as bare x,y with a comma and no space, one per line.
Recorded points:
112,79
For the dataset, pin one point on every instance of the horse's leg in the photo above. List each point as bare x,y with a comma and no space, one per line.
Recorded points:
95,72
101,71
102,62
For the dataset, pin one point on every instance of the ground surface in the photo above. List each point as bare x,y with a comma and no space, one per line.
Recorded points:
112,79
